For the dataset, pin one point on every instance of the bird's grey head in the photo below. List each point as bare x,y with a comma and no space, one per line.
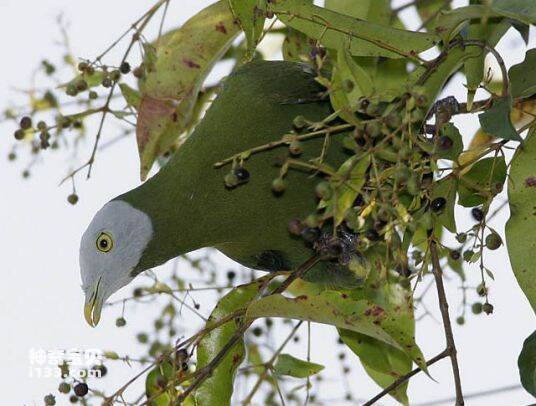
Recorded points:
110,249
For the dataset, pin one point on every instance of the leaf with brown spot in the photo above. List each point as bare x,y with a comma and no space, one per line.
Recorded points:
329,307
520,236
176,68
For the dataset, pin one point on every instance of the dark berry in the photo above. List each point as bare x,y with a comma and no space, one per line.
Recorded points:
257,331
81,389
107,82
231,275
438,204
444,143
25,122
487,308
372,235
81,85
477,214
310,234
102,370
242,174
125,68
70,90
82,66
455,254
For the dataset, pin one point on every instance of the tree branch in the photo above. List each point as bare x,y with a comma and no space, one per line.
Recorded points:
444,308
406,377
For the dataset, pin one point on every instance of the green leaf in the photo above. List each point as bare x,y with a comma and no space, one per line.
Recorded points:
454,152
446,188
332,29
523,10
92,80
522,77
155,383
496,121
475,186
218,388
527,364
176,70
520,236
430,8
376,11
340,310
288,365
132,96
250,16
490,33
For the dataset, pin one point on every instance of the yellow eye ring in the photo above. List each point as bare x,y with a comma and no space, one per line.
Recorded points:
105,242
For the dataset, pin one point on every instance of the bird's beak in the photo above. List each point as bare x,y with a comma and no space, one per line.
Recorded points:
93,305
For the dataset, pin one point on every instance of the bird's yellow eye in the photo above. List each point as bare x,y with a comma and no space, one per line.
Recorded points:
105,242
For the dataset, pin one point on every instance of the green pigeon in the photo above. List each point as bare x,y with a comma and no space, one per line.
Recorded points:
186,205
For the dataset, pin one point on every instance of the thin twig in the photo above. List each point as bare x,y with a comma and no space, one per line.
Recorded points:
403,379
444,308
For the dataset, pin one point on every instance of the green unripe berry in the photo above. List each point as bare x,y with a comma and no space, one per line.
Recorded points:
493,241
481,289
71,90
312,221
72,198
231,180
278,185
19,134
50,400
11,156
120,322
323,190
93,95
460,320
461,237
64,387
299,122
295,147
467,255
476,308
142,338
41,126
107,82
115,75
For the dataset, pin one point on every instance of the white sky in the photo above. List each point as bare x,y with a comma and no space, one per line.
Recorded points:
40,299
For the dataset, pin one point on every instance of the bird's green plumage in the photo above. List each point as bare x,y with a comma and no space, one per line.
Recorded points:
187,202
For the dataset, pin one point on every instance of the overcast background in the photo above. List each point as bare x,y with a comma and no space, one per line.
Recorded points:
40,298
